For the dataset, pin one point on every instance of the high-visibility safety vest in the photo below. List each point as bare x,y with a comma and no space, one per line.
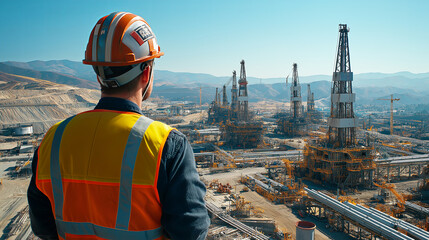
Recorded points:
99,170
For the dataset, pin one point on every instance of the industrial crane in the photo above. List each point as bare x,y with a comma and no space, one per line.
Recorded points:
391,187
391,110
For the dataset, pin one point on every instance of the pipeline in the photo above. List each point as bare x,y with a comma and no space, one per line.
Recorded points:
273,183
390,221
235,223
357,216
417,208
261,184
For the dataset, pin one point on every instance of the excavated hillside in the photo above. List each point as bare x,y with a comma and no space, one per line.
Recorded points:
25,100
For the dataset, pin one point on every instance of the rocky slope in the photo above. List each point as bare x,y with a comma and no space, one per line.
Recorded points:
25,100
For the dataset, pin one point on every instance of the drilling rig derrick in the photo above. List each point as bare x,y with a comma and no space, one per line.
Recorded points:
342,121
234,97
295,95
240,131
242,95
338,160
293,125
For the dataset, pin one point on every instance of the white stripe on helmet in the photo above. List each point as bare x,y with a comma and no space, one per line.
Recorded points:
94,42
110,33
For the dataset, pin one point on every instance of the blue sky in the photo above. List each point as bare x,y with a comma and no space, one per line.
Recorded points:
213,36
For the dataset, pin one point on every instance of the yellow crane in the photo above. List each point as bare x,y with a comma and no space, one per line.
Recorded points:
201,94
391,187
391,110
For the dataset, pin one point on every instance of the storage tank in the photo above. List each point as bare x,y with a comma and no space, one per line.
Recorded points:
305,230
23,130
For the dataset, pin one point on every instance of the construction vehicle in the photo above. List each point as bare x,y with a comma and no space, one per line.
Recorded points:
18,168
383,196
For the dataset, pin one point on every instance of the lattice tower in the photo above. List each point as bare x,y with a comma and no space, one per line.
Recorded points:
310,99
234,96
242,95
295,96
342,121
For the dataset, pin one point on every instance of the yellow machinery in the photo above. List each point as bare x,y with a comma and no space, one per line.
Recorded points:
219,187
17,169
391,187
230,163
289,169
391,111
346,166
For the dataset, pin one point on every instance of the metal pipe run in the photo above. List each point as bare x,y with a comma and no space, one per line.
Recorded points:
273,183
235,223
261,184
392,222
357,216
417,208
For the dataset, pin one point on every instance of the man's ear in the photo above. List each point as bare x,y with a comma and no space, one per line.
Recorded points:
146,73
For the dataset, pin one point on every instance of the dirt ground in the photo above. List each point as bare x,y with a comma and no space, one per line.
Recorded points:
13,198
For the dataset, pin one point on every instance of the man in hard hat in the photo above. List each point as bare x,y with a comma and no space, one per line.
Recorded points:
112,173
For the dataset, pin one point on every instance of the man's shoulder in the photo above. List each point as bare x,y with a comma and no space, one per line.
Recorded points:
176,142
177,135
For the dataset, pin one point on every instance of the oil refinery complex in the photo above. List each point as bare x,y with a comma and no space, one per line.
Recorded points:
294,173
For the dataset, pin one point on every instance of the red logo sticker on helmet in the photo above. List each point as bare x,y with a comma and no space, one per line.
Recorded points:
142,34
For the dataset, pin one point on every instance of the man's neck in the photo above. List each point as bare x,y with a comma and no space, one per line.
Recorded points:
133,97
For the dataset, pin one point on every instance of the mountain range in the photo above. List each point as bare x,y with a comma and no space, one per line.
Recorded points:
181,86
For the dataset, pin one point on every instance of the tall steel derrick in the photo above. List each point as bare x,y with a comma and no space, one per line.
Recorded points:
295,96
242,95
310,99
342,121
224,97
234,96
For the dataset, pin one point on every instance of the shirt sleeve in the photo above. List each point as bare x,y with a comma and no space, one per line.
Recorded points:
184,214
41,216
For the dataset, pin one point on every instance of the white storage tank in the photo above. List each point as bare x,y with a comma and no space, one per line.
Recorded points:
23,130
305,230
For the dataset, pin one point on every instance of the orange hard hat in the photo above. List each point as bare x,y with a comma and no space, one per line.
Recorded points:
121,39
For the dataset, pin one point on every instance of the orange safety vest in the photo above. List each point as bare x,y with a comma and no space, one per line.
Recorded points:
99,170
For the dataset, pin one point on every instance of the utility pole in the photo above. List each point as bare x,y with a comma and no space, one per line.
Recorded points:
391,110
200,96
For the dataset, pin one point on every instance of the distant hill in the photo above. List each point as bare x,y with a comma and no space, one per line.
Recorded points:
76,69
49,76
15,82
414,81
183,86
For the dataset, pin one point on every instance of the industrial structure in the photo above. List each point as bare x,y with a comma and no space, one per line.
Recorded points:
346,164
239,130
391,111
359,221
219,110
338,159
293,124
311,115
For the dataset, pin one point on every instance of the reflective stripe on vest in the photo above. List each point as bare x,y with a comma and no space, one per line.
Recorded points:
125,189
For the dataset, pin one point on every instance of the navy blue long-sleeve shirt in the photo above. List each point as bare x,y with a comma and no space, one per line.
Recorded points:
184,215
